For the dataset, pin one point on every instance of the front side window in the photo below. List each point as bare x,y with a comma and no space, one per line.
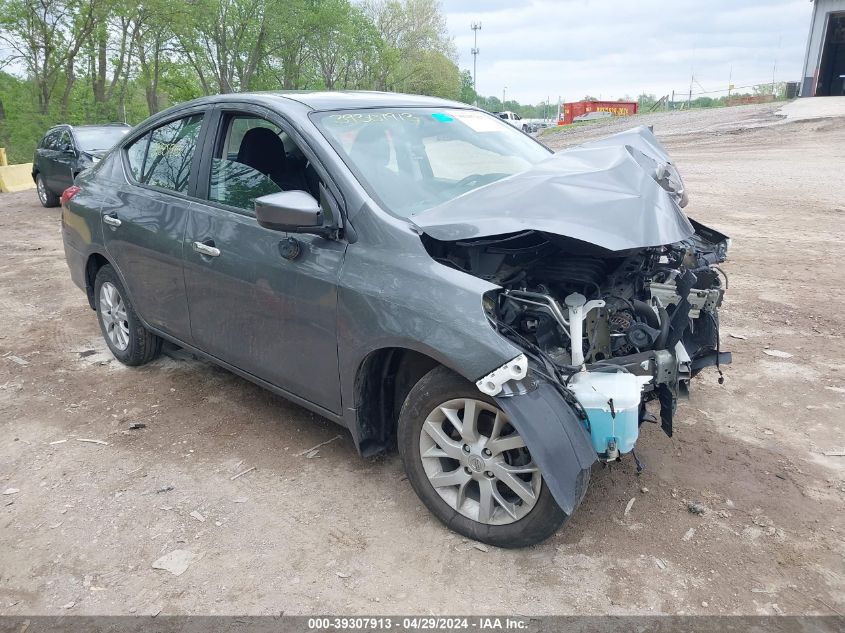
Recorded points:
412,159
163,157
238,185
65,142
252,158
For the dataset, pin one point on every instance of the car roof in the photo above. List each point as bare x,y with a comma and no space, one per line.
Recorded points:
338,100
93,126
327,100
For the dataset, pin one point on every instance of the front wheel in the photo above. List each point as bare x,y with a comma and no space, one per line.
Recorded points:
470,466
129,341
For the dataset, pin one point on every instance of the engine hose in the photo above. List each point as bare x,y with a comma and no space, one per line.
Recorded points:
645,312
660,343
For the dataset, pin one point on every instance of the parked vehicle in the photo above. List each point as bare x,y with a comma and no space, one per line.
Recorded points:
417,271
515,120
65,151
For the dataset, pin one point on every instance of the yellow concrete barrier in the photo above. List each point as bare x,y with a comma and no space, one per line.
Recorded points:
16,178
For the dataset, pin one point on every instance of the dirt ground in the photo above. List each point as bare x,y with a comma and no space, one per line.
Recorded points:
339,534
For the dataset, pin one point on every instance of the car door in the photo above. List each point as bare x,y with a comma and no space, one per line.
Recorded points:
48,154
253,304
64,162
144,220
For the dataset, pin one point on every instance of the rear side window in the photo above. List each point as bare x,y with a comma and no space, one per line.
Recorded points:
163,157
51,140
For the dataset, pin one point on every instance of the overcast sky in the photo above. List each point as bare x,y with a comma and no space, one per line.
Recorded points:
613,48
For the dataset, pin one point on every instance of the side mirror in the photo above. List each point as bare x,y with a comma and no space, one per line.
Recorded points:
292,212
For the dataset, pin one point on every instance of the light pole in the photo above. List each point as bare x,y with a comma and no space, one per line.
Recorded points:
476,27
504,91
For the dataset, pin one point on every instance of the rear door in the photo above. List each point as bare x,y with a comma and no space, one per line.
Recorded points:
250,306
144,220
64,163
48,153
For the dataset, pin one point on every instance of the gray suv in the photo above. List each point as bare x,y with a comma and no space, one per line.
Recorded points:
64,151
419,272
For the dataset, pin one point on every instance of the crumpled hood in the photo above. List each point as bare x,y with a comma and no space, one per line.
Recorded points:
603,193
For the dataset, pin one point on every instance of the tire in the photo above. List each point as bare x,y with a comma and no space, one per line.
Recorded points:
458,505
130,342
45,196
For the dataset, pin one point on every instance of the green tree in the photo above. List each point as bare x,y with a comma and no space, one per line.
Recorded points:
45,37
432,73
409,29
468,94
90,61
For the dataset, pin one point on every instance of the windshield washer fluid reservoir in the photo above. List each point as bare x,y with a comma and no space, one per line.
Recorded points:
615,424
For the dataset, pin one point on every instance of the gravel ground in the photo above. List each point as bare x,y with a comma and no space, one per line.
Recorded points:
81,523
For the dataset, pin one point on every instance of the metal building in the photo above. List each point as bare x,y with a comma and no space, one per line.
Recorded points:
824,61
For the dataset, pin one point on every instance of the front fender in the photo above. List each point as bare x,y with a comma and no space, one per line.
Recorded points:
557,440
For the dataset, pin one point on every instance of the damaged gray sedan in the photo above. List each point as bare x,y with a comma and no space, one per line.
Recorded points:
418,271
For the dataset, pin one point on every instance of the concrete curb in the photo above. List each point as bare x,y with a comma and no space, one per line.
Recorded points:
16,178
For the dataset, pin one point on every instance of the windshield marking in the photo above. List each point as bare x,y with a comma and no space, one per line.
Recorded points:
373,117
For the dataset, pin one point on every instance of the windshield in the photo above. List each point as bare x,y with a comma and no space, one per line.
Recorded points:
99,138
412,159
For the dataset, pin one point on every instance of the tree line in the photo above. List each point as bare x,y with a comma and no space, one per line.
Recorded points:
89,61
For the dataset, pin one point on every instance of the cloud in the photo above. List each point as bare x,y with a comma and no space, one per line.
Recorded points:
616,48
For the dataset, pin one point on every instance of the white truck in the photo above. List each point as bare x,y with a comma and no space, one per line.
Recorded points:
515,120
528,126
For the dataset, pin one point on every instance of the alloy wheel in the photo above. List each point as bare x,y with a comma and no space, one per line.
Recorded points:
42,191
478,463
113,316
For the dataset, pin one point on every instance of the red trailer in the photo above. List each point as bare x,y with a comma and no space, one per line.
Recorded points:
579,108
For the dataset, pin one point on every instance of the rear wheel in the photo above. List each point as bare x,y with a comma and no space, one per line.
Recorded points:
45,196
129,341
470,466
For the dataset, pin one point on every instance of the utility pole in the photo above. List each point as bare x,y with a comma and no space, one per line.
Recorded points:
730,81
476,27
689,99
504,90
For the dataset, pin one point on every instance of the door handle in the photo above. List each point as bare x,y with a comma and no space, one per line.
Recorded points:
112,220
206,249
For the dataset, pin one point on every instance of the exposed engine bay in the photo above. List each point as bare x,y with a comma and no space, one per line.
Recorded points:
591,319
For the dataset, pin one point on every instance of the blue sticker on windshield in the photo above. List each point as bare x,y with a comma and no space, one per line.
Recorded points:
442,116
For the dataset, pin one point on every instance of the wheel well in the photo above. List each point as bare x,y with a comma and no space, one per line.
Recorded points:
382,383
92,267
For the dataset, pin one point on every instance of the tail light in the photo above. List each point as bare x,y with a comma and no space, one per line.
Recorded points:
69,193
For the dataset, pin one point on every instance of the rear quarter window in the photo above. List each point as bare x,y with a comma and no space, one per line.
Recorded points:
135,156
